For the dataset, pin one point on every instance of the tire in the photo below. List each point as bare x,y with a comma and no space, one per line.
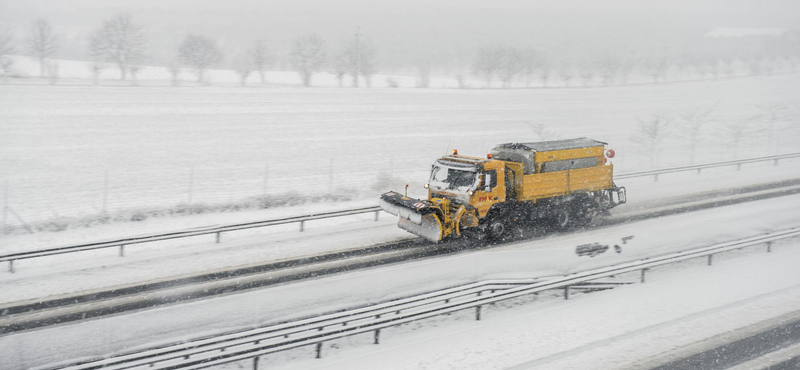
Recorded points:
563,218
496,230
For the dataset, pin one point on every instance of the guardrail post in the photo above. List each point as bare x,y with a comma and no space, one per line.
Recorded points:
566,293
738,166
655,178
698,170
769,247
377,336
478,310
710,256
122,250
11,266
319,350
376,215
218,238
255,363
776,161
302,224
644,270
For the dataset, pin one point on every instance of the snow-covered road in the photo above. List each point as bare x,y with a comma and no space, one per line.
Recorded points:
550,256
44,278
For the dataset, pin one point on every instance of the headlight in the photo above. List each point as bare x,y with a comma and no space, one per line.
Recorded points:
426,186
472,192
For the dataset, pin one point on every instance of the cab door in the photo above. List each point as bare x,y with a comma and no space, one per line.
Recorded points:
491,191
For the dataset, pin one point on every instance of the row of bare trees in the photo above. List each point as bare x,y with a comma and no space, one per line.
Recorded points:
704,57
699,127
121,42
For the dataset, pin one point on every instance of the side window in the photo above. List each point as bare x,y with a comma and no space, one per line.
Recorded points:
490,179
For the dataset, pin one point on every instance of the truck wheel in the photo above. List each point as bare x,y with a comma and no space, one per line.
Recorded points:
563,218
496,230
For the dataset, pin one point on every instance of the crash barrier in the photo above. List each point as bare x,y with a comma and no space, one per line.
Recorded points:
218,230
254,343
700,167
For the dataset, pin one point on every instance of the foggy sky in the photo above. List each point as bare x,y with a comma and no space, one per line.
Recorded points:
402,30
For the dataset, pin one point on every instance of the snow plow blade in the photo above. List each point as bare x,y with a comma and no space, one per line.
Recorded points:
414,215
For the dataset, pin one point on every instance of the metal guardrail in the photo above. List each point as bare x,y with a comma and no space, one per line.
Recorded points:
700,167
252,344
121,243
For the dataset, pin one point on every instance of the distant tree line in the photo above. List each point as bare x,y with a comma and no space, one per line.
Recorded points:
121,42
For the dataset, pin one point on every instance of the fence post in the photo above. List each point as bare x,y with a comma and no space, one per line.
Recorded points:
255,363
319,350
11,266
643,272
566,293
218,238
478,310
302,224
377,336
655,178
738,166
776,161
709,259
698,170
122,250
769,247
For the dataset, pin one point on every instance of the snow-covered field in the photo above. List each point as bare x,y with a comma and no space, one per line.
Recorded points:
162,146
569,330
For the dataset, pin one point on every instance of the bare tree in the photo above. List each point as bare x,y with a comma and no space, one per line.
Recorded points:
529,57
340,65
544,66
487,63
587,68
691,123
135,70
424,70
96,67
736,131
261,58
243,67
609,66
510,64
174,70
41,43
199,52
651,133
6,49
566,71
774,115
308,56
367,61
119,41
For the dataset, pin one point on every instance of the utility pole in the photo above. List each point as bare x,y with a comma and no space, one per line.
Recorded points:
356,56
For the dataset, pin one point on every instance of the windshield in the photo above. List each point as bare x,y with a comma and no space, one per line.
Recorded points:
444,177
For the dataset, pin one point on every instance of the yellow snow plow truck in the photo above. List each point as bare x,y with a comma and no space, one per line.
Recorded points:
563,182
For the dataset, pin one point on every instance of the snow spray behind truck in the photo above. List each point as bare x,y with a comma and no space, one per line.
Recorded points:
564,182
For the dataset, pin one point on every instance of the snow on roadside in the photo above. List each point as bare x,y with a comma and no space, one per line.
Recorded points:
526,259
154,261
